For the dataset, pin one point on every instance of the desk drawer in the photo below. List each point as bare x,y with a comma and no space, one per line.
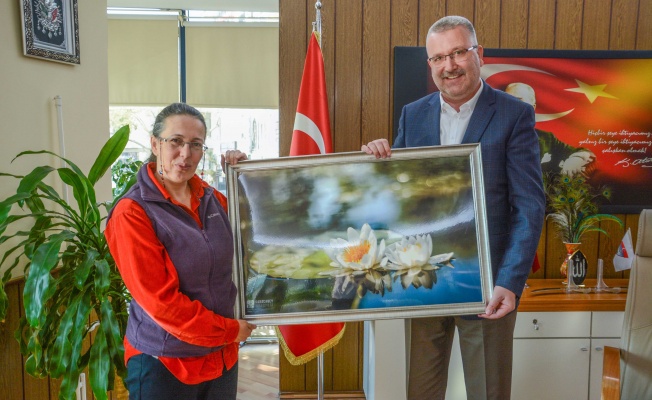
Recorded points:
607,324
553,324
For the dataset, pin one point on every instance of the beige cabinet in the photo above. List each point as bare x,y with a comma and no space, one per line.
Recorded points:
606,328
558,355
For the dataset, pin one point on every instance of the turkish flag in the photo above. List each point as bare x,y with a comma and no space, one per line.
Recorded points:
597,104
312,128
535,264
312,135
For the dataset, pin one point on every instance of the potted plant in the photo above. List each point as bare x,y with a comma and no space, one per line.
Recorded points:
573,209
71,277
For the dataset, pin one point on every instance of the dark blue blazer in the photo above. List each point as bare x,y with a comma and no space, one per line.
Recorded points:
515,201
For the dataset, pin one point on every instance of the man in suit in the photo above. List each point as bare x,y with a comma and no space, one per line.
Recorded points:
467,110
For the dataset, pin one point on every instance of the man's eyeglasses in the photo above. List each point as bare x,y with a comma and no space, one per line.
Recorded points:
457,55
177,143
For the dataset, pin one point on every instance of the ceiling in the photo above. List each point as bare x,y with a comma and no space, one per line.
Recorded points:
211,5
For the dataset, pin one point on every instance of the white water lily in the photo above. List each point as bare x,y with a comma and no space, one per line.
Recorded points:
277,261
414,252
360,252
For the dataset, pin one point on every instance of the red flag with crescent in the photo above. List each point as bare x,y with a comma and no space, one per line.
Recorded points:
312,135
312,129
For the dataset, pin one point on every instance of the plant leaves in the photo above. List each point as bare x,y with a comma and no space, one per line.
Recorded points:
4,302
31,180
61,351
79,189
112,331
109,153
102,280
37,287
99,366
83,269
14,199
75,365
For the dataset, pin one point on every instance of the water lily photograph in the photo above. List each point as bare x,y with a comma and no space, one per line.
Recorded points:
344,237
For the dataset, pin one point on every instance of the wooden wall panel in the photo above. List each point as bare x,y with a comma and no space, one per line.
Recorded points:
349,348
404,22
541,24
568,26
11,360
465,8
327,46
429,12
347,127
514,24
624,24
486,28
293,38
376,63
595,25
644,27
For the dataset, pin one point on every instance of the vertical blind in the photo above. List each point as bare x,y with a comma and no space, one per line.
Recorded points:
227,67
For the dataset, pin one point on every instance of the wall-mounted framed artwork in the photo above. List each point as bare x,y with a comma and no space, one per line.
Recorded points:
589,104
51,30
348,237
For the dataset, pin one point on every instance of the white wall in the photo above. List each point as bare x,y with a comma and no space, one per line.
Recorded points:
27,90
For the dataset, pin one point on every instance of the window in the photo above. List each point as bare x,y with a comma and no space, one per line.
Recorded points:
252,131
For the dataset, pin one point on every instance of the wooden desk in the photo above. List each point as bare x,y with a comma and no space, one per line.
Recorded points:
573,301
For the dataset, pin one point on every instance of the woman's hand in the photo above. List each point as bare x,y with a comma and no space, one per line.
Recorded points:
245,330
231,157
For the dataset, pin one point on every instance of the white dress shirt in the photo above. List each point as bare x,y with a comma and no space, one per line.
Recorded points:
453,124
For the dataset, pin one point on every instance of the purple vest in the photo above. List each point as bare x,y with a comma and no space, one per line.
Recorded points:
203,259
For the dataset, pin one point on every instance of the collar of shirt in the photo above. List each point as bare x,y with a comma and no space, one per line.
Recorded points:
453,124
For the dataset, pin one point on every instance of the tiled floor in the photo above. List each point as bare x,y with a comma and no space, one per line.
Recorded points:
258,377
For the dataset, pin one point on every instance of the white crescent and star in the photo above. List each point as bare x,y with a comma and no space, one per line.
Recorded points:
304,124
591,92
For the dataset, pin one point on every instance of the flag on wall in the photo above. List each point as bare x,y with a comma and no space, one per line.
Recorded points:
625,254
535,264
311,135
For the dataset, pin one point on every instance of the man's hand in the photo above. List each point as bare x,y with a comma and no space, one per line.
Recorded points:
379,148
502,303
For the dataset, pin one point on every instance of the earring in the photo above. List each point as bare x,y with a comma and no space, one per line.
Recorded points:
203,163
160,159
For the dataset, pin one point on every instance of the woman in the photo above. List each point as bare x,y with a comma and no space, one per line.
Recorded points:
171,240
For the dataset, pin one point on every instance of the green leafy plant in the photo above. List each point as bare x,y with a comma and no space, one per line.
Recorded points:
573,208
71,278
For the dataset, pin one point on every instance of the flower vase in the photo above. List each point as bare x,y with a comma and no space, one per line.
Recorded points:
571,248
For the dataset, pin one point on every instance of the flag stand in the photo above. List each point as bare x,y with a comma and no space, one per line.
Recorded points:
320,375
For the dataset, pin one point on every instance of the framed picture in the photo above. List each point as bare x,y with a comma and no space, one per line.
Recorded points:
592,108
51,30
348,237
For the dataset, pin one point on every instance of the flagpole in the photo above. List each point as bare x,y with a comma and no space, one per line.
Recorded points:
320,375
316,27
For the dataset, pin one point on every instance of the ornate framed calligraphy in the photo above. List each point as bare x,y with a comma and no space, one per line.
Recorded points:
51,30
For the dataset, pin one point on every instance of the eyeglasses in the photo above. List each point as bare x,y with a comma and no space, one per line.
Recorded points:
457,55
176,143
